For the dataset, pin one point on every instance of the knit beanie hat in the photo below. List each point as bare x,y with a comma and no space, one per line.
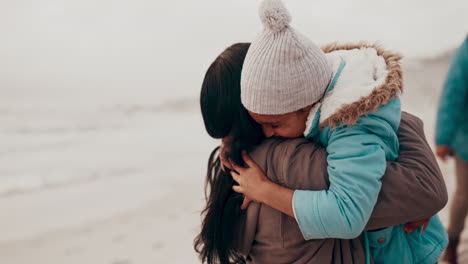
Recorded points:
283,71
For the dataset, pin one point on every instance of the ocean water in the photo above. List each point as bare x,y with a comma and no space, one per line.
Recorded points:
96,89
45,148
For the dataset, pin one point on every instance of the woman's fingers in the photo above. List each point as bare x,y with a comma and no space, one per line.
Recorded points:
412,226
444,151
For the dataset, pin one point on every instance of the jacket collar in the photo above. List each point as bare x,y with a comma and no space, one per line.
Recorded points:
370,78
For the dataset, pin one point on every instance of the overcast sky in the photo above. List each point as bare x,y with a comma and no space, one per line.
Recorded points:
93,47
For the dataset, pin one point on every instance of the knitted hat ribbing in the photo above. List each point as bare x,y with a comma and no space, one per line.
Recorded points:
283,71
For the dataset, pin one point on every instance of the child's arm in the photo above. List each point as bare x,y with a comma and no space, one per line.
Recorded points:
356,163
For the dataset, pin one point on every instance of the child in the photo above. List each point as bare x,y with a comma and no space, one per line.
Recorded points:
348,101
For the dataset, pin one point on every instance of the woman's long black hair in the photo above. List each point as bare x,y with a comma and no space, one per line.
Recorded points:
224,115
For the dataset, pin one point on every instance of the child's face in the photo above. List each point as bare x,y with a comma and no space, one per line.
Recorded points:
290,125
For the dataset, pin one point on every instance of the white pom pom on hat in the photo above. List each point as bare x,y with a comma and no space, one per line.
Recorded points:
274,15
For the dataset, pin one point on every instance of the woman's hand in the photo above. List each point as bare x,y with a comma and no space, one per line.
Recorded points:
411,226
252,181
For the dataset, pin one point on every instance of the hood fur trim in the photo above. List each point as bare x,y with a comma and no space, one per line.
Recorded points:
349,114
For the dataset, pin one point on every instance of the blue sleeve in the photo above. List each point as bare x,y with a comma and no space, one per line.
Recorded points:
356,162
357,158
452,100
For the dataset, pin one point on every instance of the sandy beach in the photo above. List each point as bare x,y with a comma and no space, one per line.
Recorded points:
147,216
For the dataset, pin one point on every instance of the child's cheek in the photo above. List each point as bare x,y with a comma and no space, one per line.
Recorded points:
286,133
295,132
281,132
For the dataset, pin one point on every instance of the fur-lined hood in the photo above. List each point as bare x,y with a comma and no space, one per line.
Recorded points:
371,77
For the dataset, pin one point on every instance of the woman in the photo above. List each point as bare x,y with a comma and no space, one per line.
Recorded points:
264,235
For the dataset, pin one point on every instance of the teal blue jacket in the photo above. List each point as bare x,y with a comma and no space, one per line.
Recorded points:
357,153
452,116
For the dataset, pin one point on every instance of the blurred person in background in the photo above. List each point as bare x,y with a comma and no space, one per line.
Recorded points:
452,140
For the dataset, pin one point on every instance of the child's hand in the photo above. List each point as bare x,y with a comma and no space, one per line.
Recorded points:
252,181
225,164
411,226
